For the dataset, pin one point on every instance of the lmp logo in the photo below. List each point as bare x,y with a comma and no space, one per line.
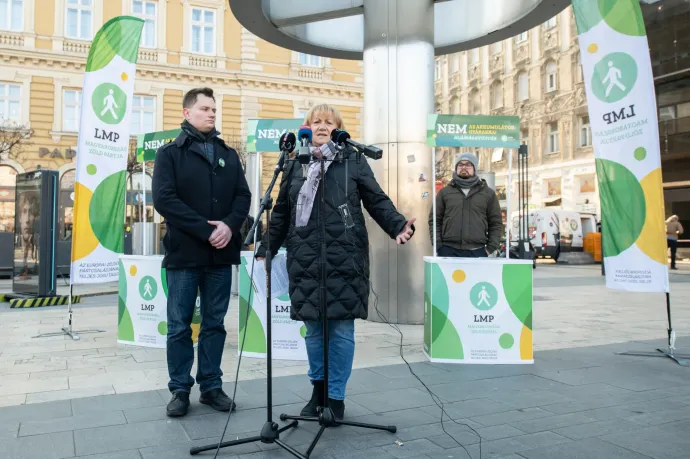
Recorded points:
614,77
148,288
483,296
109,103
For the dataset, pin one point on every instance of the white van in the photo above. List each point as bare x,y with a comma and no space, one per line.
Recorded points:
554,231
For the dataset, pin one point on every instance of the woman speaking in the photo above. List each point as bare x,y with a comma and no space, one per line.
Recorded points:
296,221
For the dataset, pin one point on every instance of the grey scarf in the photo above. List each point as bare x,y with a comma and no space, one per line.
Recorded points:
465,183
305,200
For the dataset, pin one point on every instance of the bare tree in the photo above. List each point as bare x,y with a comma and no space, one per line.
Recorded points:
13,137
444,166
239,144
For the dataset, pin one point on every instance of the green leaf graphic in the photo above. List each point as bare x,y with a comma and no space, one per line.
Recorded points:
121,36
517,288
107,212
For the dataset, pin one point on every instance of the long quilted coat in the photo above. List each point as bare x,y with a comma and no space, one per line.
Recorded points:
347,249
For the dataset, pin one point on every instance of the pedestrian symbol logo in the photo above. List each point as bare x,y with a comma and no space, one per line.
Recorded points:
614,77
483,296
109,103
148,288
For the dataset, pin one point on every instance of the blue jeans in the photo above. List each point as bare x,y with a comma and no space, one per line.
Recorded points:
341,353
213,285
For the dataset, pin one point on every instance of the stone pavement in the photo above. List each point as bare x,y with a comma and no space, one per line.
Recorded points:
579,399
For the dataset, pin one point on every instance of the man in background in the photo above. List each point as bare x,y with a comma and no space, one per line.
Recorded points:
468,215
200,189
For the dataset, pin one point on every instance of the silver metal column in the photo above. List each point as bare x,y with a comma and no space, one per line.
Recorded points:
398,96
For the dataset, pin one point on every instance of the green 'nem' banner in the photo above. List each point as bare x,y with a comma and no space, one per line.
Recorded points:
473,131
264,134
149,143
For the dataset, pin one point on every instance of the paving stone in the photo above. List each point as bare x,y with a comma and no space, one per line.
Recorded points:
393,400
78,422
36,412
552,422
593,448
512,417
128,436
468,408
50,446
414,448
131,454
401,419
596,429
8,429
212,424
182,451
511,445
117,402
669,441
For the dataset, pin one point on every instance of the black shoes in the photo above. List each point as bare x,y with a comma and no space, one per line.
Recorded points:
316,401
179,404
338,408
217,399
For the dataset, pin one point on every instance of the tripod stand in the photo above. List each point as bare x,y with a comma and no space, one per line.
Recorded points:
326,417
270,433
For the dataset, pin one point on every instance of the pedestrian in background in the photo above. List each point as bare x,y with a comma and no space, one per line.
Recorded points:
673,230
468,215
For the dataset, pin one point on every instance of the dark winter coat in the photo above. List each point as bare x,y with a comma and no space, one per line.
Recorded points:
189,190
347,249
467,222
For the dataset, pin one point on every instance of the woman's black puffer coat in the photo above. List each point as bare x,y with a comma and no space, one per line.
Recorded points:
347,249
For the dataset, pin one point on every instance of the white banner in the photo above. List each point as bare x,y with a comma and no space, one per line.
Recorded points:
99,189
288,335
623,115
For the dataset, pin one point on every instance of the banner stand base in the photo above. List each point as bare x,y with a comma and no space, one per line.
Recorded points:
680,359
68,329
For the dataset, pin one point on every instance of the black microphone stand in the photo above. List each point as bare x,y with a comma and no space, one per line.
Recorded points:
326,417
270,433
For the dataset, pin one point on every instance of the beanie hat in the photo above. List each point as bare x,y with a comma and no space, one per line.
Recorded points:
467,156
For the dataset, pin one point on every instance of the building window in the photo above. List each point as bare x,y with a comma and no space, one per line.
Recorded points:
8,181
521,38
455,64
497,95
310,60
524,137
143,114
523,86
78,22
146,11
553,138
585,132
551,23
203,31
474,56
12,15
437,70
475,103
551,76
496,48
579,72
66,205
71,108
667,113
10,102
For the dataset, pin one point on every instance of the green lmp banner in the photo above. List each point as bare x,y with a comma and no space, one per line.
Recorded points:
149,143
478,311
473,131
99,189
264,134
625,133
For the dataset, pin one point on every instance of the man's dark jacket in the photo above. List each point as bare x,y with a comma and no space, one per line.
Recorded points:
188,191
467,222
347,248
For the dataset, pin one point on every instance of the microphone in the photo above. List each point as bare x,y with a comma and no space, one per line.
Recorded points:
340,137
287,145
304,156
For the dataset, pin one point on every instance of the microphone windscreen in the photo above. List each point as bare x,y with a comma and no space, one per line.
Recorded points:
338,136
287,142
304,133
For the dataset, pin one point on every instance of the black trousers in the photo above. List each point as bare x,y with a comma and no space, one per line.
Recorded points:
673,245
445,251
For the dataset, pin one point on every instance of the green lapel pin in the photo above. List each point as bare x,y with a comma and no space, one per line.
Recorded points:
221,162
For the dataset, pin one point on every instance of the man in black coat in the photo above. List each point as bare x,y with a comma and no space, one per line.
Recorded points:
200,189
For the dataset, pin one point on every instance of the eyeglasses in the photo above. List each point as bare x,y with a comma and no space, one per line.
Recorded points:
465,165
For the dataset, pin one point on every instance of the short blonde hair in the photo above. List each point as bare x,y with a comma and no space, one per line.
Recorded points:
325,109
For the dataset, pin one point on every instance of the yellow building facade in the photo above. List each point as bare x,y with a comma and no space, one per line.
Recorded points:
185,44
